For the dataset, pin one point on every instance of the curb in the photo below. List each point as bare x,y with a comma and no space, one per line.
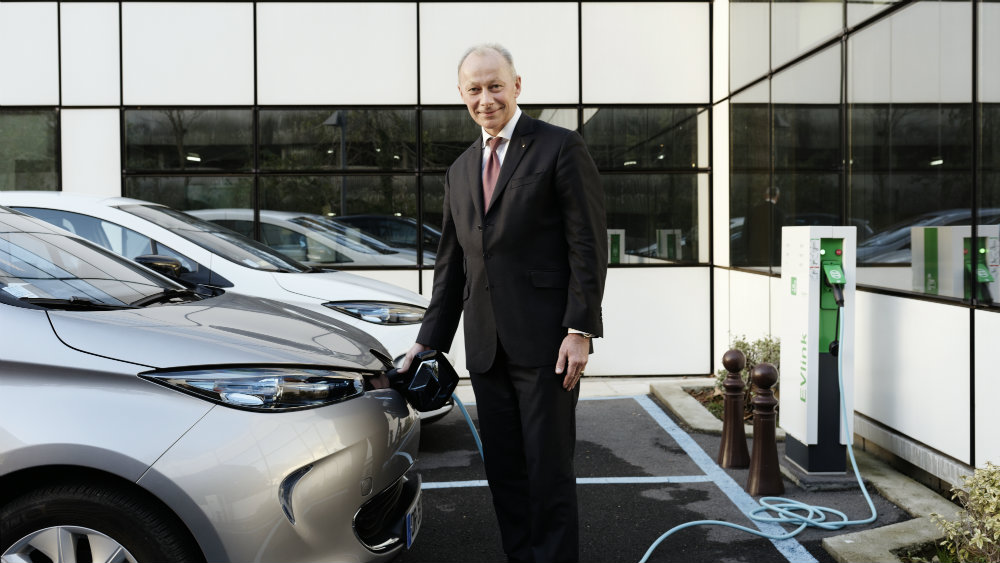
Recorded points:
875,545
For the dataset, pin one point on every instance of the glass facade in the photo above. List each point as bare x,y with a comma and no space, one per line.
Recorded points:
877,126
28,149
376,175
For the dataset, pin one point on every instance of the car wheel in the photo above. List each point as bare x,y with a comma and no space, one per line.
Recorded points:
63,523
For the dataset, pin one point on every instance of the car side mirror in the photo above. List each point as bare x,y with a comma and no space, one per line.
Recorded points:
166,265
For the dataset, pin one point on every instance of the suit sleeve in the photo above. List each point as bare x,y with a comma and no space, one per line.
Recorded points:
441,318
582,202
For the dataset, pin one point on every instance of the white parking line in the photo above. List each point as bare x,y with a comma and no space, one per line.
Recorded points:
582,481
790,548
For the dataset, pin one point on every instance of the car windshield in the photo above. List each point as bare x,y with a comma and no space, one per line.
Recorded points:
351,238
217,239
41,264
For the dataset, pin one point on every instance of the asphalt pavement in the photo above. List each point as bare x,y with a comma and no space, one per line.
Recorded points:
641,470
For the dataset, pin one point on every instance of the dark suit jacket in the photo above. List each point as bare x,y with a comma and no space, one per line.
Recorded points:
534,264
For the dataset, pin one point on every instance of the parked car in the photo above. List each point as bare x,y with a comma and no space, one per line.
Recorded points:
143,421
400,232
211,255
313,239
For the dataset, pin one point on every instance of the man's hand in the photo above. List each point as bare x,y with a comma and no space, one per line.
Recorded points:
573,356
410,354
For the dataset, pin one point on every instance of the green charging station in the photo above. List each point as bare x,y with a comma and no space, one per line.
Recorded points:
946,261
817,331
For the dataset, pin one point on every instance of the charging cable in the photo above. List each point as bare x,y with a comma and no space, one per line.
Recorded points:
468,419
792,512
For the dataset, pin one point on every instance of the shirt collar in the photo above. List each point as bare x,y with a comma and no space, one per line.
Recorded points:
508,130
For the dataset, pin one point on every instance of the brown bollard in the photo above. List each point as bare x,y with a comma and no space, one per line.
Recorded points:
733,449
765,474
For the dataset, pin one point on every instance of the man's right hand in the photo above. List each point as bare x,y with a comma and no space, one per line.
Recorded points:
412,353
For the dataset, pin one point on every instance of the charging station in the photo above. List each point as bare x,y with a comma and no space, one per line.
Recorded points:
946,262
818,273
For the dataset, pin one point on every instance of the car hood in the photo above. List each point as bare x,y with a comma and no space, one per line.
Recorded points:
228,329
341,286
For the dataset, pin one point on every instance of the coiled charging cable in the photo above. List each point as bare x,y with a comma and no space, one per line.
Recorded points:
792,512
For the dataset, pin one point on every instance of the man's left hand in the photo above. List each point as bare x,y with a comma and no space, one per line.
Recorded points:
573,356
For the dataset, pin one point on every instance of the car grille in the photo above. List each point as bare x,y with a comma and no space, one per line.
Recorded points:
379,524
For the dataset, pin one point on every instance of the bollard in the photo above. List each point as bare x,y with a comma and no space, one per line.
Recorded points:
765,474
733,449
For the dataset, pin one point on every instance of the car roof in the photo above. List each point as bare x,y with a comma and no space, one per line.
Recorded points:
42,197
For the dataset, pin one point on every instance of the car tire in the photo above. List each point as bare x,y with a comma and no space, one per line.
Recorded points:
84,522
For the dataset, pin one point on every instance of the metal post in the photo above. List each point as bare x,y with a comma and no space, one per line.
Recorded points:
765,473
733,449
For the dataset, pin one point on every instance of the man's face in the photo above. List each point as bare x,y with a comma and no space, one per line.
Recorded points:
489,89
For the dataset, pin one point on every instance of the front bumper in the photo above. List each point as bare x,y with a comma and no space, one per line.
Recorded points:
288,487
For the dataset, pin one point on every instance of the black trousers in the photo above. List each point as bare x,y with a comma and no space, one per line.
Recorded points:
528,426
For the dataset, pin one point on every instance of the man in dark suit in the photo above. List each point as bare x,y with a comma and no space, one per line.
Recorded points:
526,264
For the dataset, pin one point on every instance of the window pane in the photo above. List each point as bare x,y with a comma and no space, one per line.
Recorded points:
806,130
313,139
28,150
313,207
750,180
645,138
448,132
652,218
192,192
189,140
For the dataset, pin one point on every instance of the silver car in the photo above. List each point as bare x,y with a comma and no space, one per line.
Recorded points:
145,422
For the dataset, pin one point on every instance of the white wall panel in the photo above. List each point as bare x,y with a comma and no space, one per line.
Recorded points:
749,305
912,369
929,63
749,42
987,388
720,49
91,67
656,322
337,53
913,57
803,25
547,62
195,53
91,151
645,53
989,42
721,302
29,53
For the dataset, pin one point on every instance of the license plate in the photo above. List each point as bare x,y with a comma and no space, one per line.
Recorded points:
413,520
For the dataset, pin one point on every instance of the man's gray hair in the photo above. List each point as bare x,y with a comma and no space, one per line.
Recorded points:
485,49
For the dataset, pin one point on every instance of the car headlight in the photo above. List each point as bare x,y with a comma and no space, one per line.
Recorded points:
269,389
380,312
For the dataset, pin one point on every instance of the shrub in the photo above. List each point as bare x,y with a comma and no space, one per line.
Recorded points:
975,536
762,350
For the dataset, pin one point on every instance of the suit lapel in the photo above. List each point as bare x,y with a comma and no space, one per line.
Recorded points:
519,144
471,166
